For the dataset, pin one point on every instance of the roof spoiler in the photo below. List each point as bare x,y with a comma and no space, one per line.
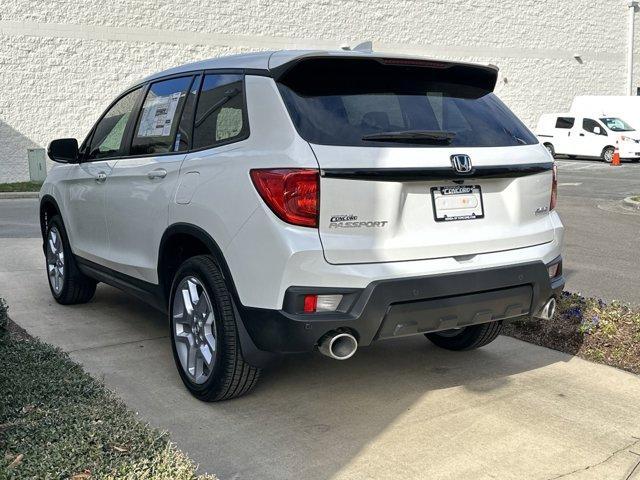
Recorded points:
481,76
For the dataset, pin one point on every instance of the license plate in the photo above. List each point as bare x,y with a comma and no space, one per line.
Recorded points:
457,202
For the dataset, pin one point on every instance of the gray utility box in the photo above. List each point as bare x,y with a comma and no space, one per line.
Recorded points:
37,164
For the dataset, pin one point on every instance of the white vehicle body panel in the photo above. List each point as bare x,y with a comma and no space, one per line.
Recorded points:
137,212
411,232
84,202
297,259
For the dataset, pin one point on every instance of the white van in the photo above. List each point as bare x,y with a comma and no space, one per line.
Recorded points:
581,135
622,106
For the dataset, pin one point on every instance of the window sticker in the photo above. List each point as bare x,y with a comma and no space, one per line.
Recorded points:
158,115
228,123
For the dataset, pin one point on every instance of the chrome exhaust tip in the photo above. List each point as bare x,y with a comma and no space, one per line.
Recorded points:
338,345
549,309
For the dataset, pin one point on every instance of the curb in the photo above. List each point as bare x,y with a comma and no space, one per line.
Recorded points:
632,203
8,195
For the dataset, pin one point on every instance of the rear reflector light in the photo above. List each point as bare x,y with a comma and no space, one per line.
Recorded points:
555,269
291,193
554,188
321,303
310,303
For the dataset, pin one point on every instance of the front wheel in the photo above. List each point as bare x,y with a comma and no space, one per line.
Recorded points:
68,284
607,154
204,334
467,338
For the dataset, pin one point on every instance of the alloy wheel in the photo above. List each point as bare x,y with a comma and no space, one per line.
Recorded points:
55,260
608,155
194,332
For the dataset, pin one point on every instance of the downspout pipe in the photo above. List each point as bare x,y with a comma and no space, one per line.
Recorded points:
630,40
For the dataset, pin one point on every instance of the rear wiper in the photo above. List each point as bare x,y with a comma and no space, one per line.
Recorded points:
514,136
434,137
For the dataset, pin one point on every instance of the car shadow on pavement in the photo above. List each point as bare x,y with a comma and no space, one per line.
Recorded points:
310,416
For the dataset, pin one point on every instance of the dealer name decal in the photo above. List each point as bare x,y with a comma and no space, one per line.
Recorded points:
351,221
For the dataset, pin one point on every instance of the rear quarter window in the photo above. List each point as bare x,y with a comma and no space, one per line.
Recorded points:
221,113
565,122
340,102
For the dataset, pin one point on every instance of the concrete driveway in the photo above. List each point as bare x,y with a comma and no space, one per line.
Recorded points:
397,410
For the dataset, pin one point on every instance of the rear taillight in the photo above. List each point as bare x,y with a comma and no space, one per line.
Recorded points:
291,193
554,188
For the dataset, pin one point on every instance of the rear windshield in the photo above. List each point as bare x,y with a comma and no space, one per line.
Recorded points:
342,102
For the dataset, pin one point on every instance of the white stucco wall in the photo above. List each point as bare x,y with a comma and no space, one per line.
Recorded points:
62,62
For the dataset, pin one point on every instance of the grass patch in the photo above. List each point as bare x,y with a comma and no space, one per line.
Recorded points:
20,187
58,422
636,199
589,328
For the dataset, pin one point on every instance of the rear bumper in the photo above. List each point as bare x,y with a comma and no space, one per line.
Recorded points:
409,306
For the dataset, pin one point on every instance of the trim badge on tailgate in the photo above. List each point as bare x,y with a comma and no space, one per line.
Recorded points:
348,221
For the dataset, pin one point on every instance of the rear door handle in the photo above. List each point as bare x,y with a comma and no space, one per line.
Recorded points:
101,177
157,173
582,134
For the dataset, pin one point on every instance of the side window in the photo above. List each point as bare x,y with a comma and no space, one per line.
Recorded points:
159,118
108,135
565,122
220,115
590,126
185,129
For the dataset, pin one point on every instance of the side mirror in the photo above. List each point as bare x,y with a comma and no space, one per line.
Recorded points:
597,130
63,150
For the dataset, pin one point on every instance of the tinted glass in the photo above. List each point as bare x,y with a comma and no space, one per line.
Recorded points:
109,133
220,116
590,126
159,117
565,122
185,129
340,102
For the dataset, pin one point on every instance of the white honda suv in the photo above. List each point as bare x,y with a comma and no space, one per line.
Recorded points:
283,202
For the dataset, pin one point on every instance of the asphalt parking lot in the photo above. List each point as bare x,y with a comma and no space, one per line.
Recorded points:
602,242
398,409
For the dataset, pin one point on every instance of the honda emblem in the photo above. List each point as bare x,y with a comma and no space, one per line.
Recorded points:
461,163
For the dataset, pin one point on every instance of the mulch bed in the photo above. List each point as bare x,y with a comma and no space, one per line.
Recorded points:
589,328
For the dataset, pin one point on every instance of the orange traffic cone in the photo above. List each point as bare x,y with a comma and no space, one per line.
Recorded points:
616,156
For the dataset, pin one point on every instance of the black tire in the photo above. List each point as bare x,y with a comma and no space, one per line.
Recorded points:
468,338
605,154
230,376
551,150
76,287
